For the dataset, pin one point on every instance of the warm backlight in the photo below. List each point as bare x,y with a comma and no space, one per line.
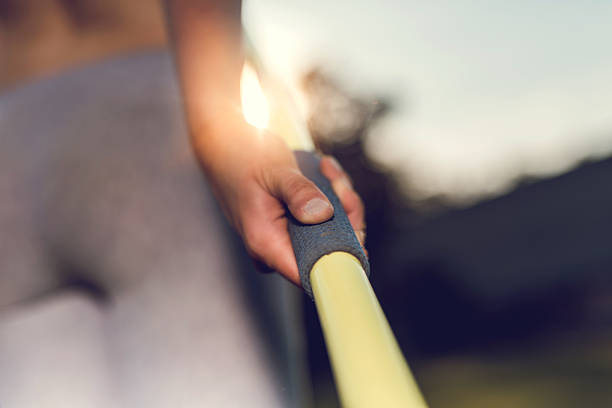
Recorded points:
255,106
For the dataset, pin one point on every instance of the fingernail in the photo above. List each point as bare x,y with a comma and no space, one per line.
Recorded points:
316,206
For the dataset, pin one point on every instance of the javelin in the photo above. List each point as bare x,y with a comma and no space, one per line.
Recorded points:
368,365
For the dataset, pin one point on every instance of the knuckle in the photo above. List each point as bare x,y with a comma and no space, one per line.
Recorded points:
297,185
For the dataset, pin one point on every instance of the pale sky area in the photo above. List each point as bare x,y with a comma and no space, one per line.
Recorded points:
490,90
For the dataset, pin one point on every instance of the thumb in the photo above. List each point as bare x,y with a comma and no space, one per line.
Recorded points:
305,201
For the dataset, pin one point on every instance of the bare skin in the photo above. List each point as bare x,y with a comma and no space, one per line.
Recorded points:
149,244
254,177
42,37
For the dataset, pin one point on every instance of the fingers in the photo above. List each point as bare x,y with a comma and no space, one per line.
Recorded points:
351,202
264,226
305,201
270,248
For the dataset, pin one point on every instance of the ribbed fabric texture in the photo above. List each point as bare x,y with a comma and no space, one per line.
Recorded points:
311,242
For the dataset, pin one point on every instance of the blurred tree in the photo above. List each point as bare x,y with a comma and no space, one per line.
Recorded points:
494,292
339,124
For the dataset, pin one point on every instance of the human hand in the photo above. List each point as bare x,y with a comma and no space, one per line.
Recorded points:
256,179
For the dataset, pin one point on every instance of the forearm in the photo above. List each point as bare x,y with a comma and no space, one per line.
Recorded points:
207,42
254,174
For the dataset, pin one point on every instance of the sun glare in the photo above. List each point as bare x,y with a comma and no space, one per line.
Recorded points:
254,103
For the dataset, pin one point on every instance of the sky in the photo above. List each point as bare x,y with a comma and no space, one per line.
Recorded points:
489,91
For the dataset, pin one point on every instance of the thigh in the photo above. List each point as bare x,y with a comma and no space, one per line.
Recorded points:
26,270
53,353
126,209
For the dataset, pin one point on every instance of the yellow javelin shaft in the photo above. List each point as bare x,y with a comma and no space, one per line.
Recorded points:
369,368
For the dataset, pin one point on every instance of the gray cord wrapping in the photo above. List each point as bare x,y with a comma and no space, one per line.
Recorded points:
311,242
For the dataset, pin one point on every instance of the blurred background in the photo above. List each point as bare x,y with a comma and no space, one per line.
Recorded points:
479,135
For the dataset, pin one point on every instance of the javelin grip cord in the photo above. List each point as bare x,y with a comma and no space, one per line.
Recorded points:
311,242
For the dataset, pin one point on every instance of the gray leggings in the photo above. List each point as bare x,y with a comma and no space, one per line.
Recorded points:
119,282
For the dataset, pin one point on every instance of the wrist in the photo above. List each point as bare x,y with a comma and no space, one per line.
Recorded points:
223,138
